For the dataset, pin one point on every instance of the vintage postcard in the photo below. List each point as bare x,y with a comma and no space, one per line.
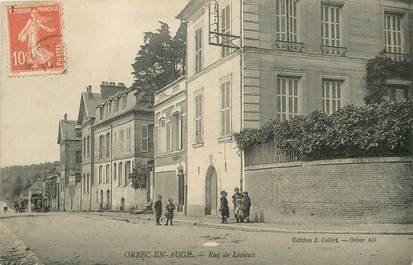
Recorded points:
243,132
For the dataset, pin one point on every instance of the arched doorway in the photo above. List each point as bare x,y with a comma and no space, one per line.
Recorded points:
122,204
211,193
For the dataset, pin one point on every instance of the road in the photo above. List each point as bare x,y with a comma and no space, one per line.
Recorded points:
91,239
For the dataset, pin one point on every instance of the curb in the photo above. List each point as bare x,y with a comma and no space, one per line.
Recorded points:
278,230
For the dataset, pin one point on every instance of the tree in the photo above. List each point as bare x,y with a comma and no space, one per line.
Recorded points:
160,60
17,187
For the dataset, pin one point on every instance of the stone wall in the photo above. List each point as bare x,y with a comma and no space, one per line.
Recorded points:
369,190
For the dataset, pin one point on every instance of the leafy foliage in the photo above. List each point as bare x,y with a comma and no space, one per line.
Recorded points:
139,176
382,129
16,179
160,60
381,69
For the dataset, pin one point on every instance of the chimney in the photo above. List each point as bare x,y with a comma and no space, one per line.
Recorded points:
108,89
89,89
65,116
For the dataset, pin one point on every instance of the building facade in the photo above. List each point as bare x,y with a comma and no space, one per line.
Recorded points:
123,139
69,139
276,59
170,119
86,117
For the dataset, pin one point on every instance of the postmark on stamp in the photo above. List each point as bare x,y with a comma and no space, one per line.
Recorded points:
35,38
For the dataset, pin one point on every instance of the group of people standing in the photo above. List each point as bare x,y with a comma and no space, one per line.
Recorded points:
241,203
170,208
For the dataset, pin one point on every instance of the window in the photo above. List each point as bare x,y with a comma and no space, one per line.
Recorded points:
397,93
124,102
199,118
161,136
330,25
286,20
107,174
150,137
127,168
120,174
144,138
198,50
129,142
226,29
78,156
100,174
225,88
393,33
287,97
177,131
331,95
88,146
87,183
121,141
84,147
107,144
168,133
114,171
101,112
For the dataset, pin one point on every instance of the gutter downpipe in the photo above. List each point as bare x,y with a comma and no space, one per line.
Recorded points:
241,89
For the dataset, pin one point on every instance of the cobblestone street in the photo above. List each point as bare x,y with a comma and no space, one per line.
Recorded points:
14,251
93,239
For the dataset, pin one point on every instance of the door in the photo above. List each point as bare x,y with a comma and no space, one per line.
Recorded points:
122,204
101,199
211,192
107,199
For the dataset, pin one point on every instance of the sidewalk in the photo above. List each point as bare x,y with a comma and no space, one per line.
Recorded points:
214,222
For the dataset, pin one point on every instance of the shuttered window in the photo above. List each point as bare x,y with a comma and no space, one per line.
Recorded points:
225,88
199,118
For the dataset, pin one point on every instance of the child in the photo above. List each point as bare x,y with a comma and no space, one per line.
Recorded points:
224,209
158,209
239,210
170,207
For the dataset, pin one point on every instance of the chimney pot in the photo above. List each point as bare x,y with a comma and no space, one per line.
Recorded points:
65,116
89,89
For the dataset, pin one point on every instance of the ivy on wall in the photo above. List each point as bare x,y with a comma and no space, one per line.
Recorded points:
139,176
377,129
379,70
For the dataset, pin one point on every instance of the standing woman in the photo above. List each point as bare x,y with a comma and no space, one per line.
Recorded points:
224,209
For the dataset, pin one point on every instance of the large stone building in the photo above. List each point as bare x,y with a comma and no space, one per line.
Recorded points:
276,59
123,139
170,148
69,139
86,118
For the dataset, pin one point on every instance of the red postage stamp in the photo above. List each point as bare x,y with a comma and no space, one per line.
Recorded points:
35,38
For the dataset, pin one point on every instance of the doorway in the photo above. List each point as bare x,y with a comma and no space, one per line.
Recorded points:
211,193
101,199
107,199
122,204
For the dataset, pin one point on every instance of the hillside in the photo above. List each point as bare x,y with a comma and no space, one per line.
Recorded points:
15,179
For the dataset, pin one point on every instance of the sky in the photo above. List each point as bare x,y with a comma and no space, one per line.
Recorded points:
102,38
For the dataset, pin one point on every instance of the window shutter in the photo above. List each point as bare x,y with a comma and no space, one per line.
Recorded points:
150,137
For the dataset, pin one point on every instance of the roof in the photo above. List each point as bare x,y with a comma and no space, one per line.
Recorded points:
67,131
88,103
192,6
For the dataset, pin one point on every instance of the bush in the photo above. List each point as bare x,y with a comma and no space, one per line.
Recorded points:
382,129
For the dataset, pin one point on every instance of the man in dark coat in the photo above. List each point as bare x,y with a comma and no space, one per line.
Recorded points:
170,208
247,206
158,209
224,209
